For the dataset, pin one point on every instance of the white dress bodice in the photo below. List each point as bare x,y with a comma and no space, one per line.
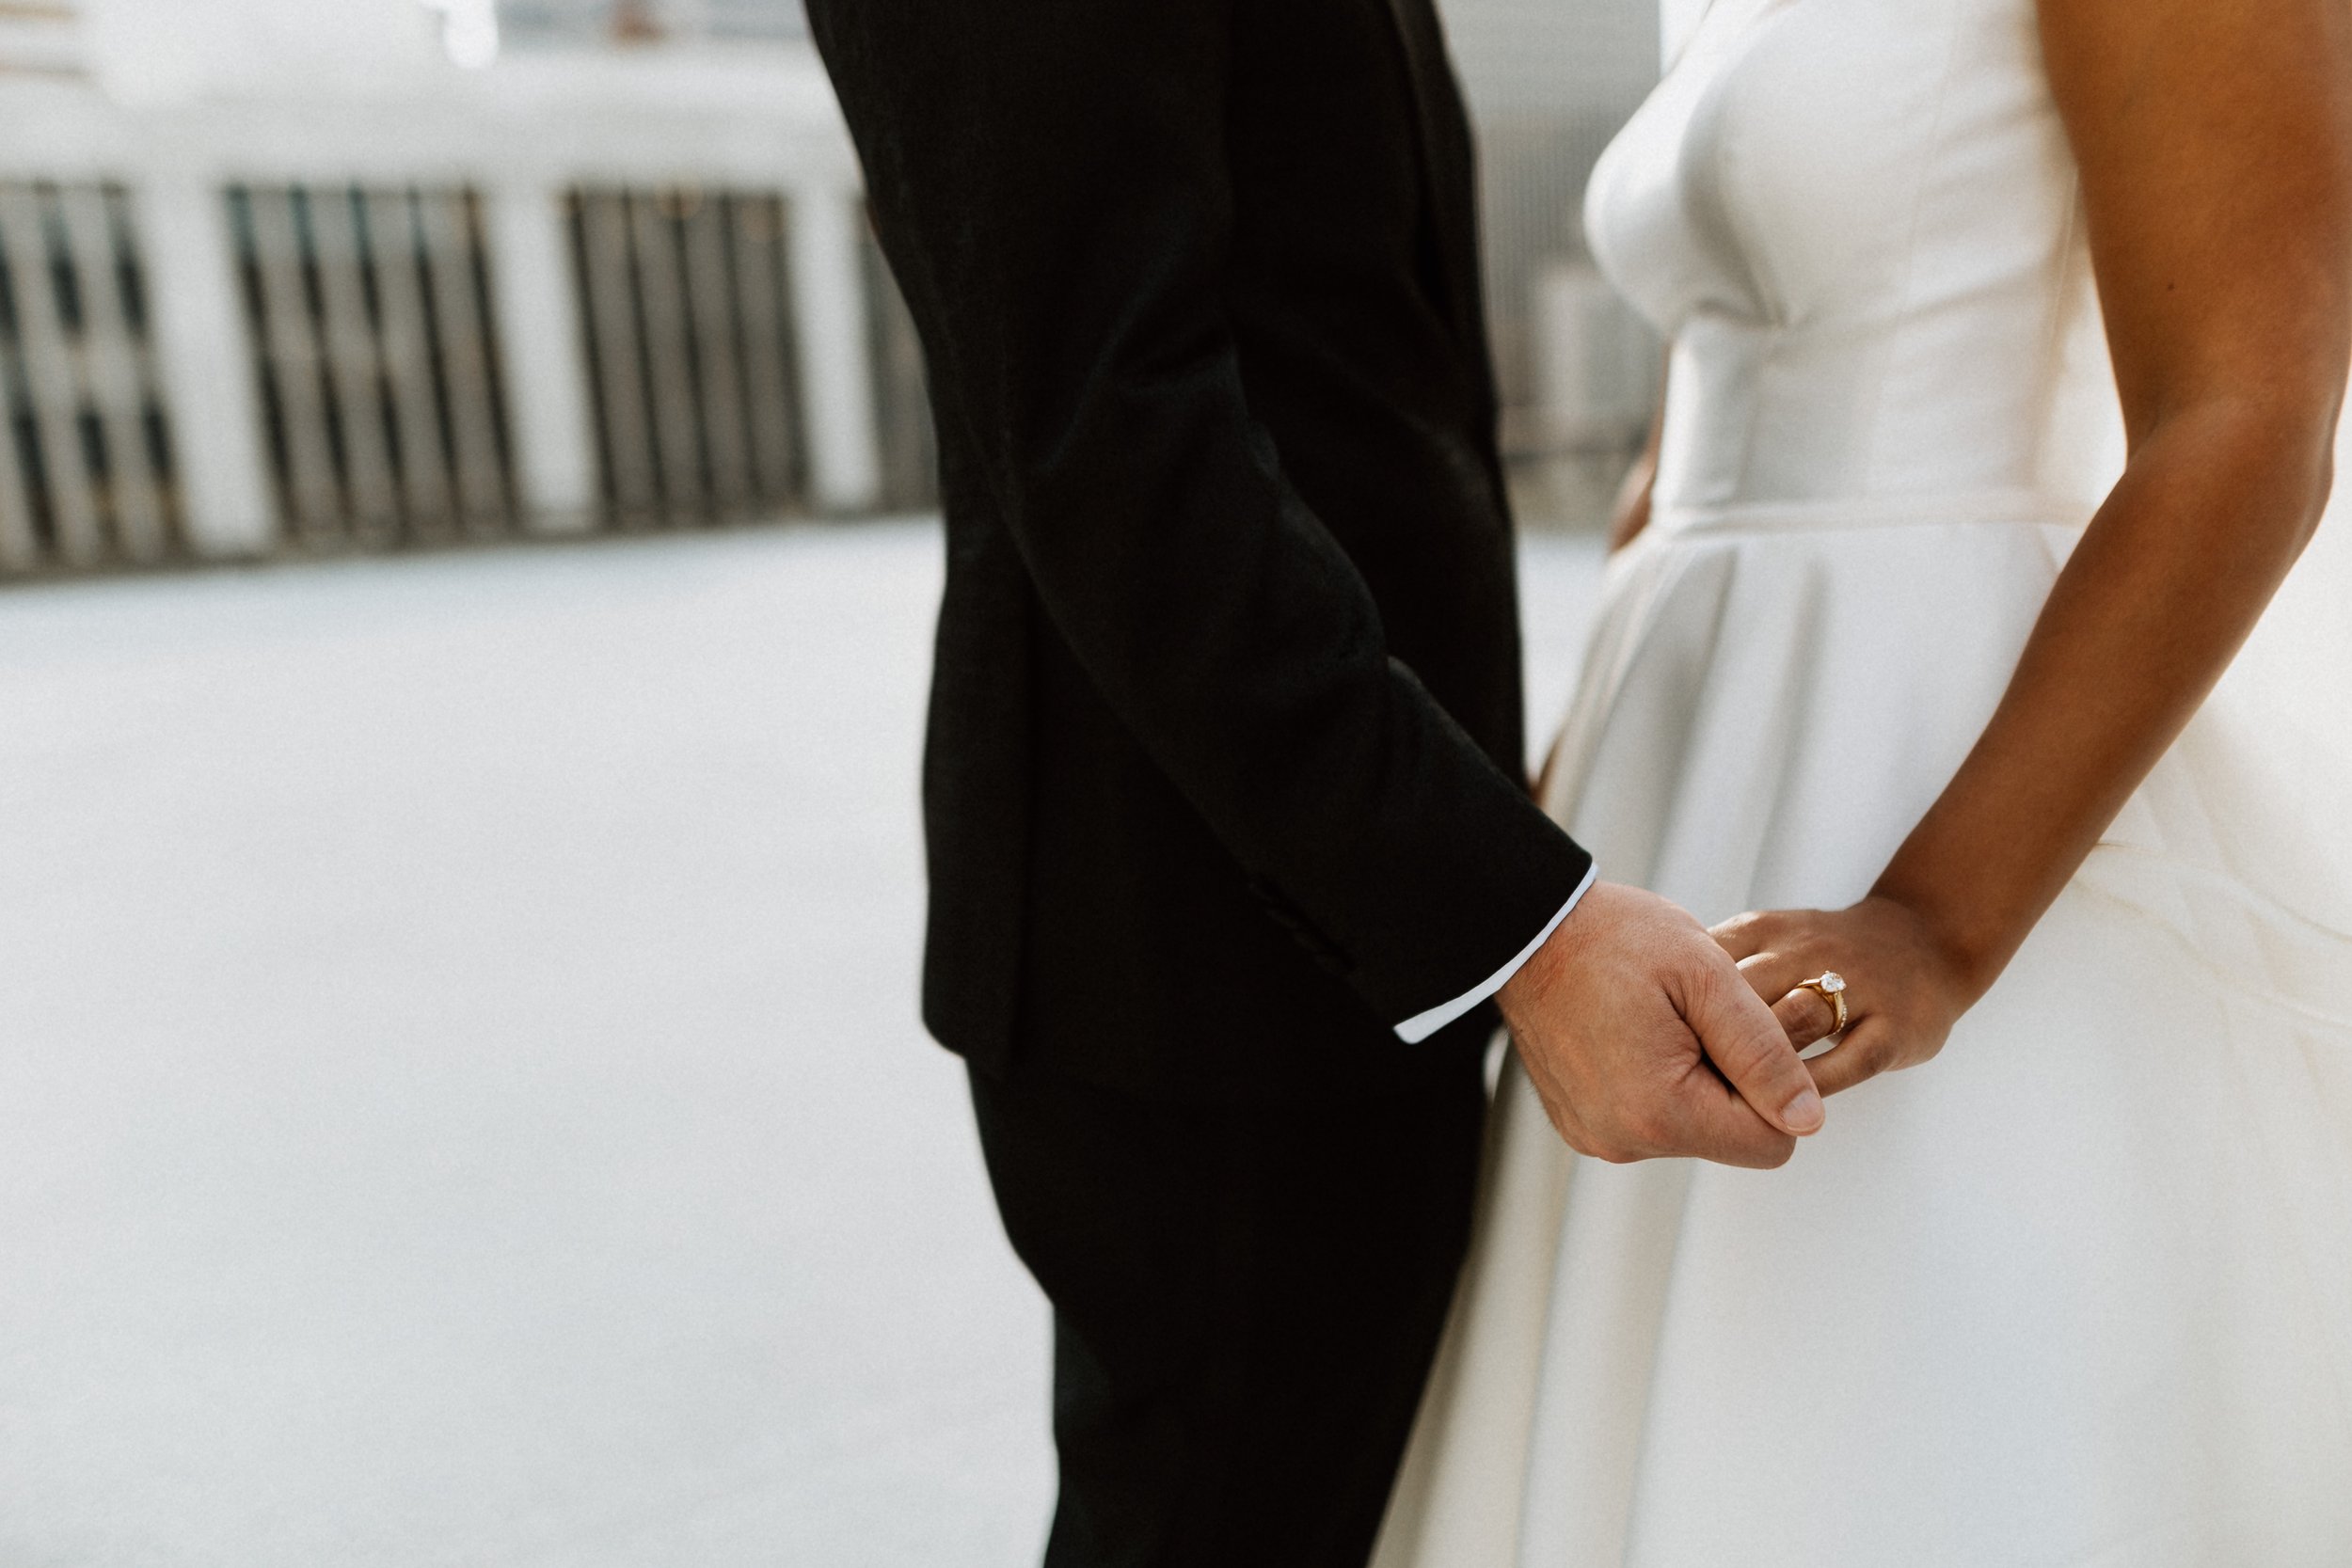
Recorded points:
1858,223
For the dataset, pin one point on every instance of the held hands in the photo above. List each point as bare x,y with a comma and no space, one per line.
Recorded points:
1905,987
1642,1039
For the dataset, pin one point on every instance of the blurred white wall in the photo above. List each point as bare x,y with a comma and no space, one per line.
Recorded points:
1554,57
365,56
155,52
1548,83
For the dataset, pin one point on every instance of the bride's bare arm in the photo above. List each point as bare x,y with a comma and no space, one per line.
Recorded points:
2215,138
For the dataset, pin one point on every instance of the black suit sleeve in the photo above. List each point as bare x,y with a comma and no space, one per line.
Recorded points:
1049,181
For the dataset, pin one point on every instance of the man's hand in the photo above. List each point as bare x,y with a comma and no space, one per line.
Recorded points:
1644,1039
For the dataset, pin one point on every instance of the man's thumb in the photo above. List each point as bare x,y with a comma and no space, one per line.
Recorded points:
1748,1046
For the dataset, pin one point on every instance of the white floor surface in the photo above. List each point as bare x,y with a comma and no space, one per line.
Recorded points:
461,1099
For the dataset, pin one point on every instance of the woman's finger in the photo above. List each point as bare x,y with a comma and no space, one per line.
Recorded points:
1772,975
1807,1018
1866,1051
1742,936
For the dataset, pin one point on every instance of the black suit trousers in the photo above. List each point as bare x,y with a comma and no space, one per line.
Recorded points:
1247,1300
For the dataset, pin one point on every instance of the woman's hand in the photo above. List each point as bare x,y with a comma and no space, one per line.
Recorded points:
1630,515
1905,987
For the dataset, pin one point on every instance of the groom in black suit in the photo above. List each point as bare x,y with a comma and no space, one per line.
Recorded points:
1231,841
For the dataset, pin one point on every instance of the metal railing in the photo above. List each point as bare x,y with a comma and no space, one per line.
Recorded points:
235,329
685,303
377,361
86,470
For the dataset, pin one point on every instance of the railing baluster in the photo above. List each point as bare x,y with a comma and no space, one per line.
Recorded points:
710,301
465,341
110,354
52,375
760,295
620,366
407,348
353,371
661,297
313,495
20,547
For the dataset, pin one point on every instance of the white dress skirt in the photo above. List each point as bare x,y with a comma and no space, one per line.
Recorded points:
2079,1291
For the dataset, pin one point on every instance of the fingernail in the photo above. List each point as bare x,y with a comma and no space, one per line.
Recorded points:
1803,1113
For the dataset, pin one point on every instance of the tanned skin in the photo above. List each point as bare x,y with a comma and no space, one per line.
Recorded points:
2215,138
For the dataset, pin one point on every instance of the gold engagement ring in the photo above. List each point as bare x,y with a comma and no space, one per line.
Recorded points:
1830,986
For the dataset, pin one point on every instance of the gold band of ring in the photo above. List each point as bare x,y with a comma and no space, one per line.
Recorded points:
1830,986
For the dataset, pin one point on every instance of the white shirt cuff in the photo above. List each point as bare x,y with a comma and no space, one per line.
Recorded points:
1422,1025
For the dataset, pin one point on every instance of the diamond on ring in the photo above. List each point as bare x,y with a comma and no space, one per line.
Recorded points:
1830,986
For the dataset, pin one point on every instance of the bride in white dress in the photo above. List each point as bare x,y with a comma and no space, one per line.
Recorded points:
2079,1291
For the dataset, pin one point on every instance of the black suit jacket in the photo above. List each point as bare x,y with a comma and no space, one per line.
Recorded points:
1224,775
